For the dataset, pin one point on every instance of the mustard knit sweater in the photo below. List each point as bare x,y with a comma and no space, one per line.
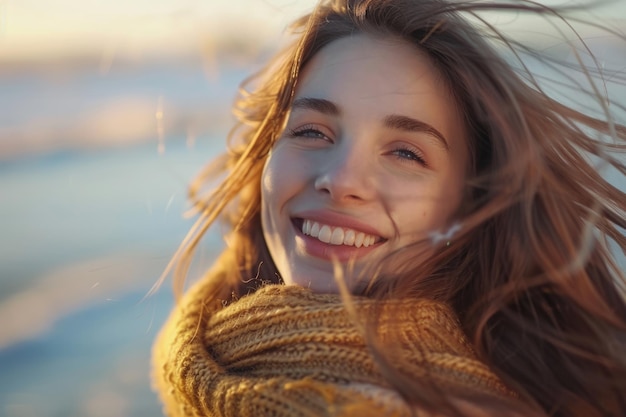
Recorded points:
286,351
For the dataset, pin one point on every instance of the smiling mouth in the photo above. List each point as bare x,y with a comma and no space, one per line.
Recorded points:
334,235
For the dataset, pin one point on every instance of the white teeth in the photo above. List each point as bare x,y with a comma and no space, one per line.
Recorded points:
325,234
350,235
337,235
358,242
315,229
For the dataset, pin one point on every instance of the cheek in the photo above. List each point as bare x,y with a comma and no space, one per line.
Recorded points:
269,186
276,178
283,179
270,203
286,173
426,209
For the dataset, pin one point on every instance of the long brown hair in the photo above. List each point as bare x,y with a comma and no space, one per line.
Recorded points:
530,270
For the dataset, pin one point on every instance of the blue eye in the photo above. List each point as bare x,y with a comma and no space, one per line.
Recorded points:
409,155
308,132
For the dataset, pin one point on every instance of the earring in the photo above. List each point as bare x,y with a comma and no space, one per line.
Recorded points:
436,237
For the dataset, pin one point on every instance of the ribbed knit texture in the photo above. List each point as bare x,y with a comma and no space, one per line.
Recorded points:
286,351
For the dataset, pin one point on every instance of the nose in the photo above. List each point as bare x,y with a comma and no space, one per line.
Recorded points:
346,176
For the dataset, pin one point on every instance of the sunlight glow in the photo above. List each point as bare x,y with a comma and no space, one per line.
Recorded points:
50,27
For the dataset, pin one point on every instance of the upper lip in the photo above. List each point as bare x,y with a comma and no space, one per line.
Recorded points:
335,219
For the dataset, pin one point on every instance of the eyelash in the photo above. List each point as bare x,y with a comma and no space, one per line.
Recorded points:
303,131
414,155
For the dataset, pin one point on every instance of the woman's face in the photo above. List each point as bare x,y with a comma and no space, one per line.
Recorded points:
373,158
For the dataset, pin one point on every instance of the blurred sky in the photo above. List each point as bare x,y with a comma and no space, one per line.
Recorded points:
48,27
42,28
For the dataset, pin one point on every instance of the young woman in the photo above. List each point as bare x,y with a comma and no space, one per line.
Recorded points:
415,229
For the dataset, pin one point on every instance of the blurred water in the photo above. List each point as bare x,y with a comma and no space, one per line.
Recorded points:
87,226
94,362
84,237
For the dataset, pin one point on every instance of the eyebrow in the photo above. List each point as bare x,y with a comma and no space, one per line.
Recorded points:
318,104
393,121
408,124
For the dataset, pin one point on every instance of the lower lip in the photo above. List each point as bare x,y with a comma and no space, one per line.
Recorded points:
342,253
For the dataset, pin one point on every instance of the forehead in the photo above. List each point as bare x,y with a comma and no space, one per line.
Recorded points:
373,77
384,65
